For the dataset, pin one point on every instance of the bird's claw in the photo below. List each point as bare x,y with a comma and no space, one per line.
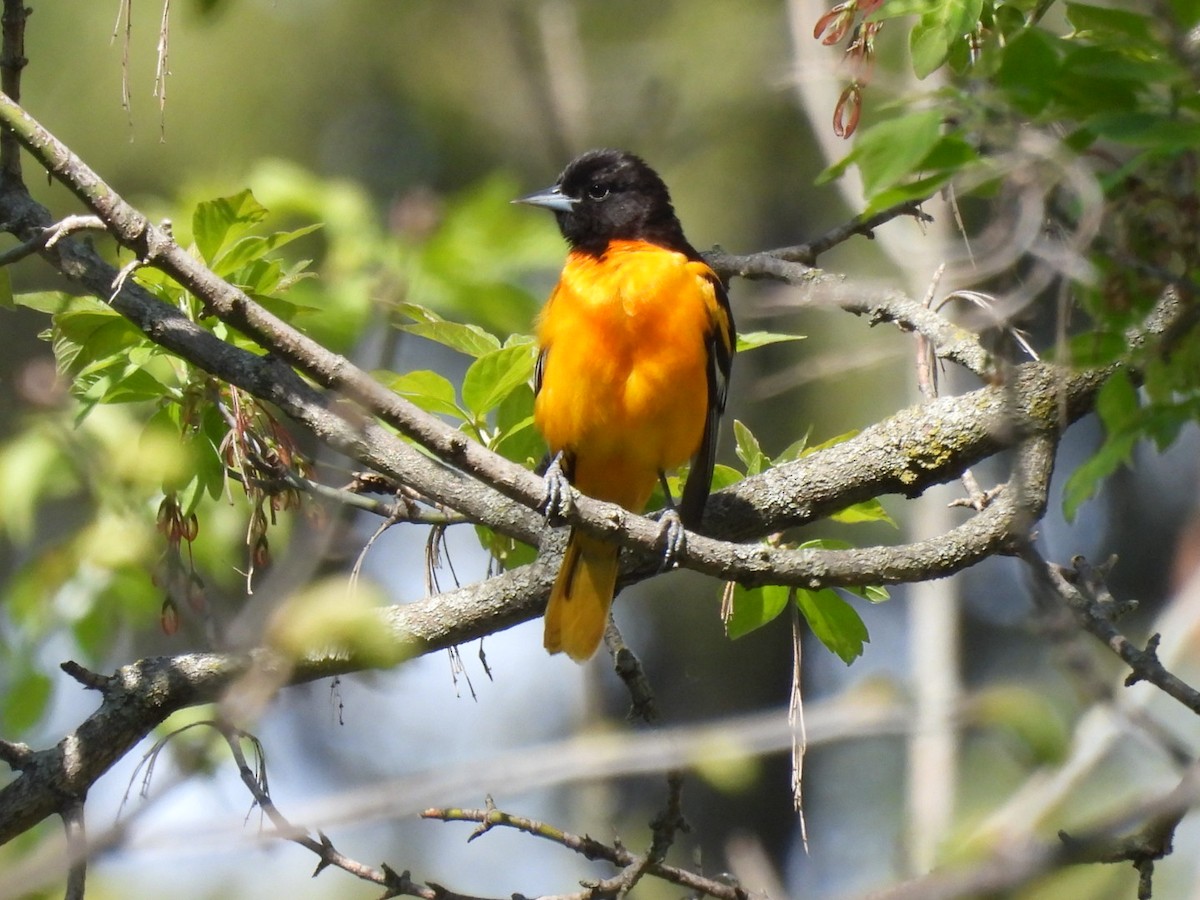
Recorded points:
673,537
556,502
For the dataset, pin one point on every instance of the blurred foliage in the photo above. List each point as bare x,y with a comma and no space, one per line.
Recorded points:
168,472
1118,83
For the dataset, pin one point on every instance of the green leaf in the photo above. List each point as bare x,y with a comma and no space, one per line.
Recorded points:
873,593
25,700
748,449
724,476
1085,480
753,339
829,442
215,222
1008,20
1162,424
86,336
516,438
1030,70
866,511
834,621
928,46
754,608
253,247
521,442
493,376
427,389
1107,64
1096,348
1109,22
889,152
792,451
919,189
1117,402
469,339
130,384
54,302
1125,422
1146,130
508,552
947,22
951,153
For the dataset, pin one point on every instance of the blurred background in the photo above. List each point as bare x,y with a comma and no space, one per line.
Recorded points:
406,127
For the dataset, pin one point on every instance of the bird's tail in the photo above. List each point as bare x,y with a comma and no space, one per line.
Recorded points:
583,592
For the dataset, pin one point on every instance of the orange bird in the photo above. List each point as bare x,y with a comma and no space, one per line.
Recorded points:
636,342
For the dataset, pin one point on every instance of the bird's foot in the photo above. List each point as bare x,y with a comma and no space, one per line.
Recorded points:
673,537
556,502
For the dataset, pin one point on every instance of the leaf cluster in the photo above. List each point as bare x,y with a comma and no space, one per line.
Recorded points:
1113,89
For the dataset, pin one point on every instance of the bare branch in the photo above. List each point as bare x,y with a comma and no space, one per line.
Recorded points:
1140,836
1083,590
949,341
255,782
864,226
633,866
50,236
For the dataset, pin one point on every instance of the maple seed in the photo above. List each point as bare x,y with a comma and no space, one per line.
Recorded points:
832,26
848,110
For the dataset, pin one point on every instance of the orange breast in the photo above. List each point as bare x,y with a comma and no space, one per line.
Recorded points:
624,382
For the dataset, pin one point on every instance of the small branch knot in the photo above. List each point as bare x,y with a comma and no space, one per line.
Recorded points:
18,756
93,681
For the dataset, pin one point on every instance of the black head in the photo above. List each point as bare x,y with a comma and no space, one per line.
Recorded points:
607,195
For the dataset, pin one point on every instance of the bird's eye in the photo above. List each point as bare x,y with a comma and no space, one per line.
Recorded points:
597,191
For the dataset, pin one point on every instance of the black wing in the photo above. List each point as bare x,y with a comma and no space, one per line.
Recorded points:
721,340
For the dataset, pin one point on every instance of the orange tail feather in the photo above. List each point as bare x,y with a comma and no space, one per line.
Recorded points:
583,593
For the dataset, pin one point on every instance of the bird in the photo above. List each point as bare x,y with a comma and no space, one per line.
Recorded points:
635,348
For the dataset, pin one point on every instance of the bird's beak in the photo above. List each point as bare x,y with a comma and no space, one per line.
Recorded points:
550,198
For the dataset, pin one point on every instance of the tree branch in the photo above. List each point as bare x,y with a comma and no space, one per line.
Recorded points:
1131,836
633,866
1083,591
864,226
951,342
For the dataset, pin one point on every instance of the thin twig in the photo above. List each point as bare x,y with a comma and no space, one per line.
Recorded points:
1139,836
663,830
1082,589
48,237
162,67
586,846
124,11
807,253
949,341
643,707
326,853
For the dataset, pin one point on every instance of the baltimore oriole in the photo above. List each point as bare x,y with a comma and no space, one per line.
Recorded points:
636,343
